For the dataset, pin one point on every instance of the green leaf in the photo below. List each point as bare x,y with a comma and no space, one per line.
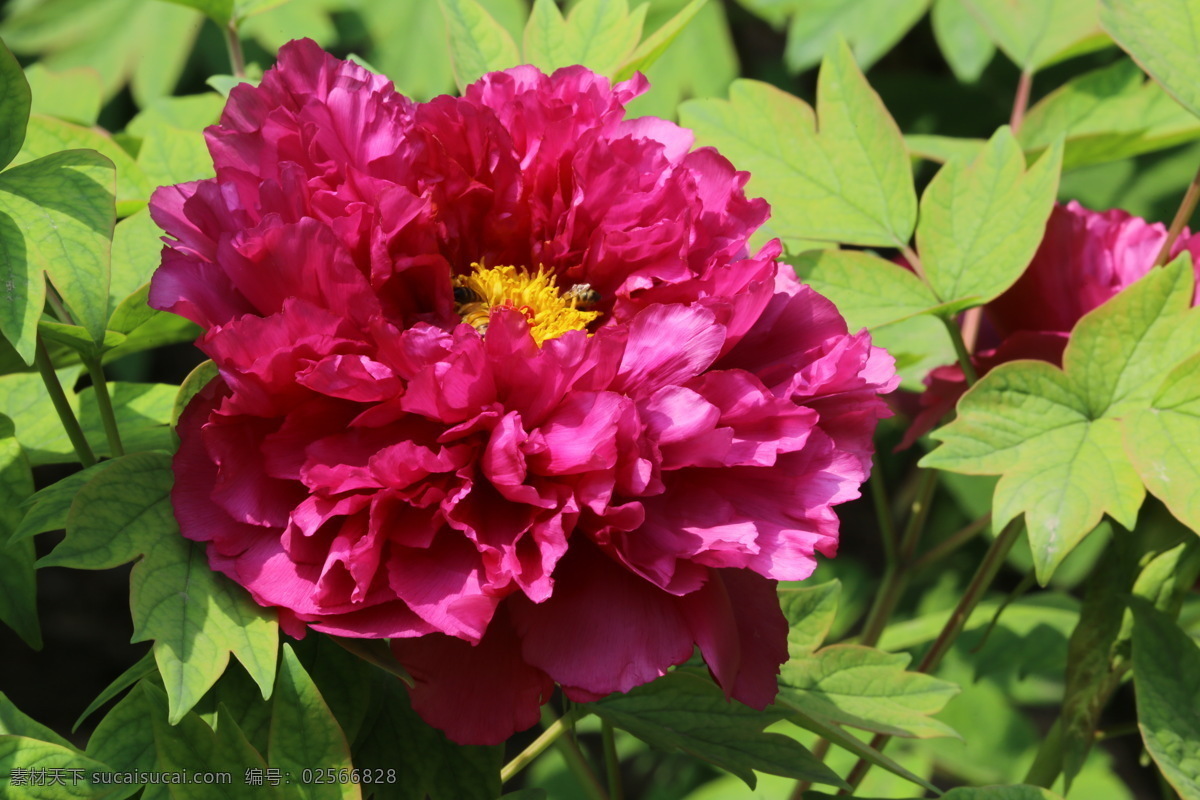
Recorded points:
1105,115
188,745
478,44
941,149
818,24
700,62
800,717
196,380
304,732
15,722
868,291
1093,667
49,136
173,149
1054,435
962,40
145,43
1015,792
56,219
73,95
18,582
77,338
144,667
685,711
33,756
1157,440
343,679
24,399
14,106
654,45
599,34
1035,33
197,617
47,509
982,222
1166,677
428,764
124,738
1161,37
219,11
848,182
136,250
867,688
117,515
810,611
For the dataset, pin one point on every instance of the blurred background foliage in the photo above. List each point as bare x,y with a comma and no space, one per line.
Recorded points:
139,79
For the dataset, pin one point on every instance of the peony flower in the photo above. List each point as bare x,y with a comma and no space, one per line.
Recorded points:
1085,259
500,380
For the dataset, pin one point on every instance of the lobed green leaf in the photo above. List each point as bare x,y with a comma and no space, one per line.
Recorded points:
56,221
1161,37
1166,677
685,711
18,581
868,689
847,181
14,106
962,40
478,43
982,222
868,291
304,732
818,24
1035,33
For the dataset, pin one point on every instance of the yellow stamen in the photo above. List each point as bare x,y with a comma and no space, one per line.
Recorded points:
550,313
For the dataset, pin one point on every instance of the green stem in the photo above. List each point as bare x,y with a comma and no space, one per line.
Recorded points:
523,759
1020,101
960,349
993,560
952,542
1049,760
569,750
104,404
895,575
62,406
612,763
237,60
883,512
1186,209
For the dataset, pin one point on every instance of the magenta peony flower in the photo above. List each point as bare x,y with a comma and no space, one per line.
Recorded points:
1085,259
500,381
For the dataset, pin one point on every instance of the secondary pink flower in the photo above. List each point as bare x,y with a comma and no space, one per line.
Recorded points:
1085,258
501,381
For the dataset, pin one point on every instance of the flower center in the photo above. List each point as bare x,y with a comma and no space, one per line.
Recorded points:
549,312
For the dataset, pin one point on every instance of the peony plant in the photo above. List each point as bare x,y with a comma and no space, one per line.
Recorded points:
532,380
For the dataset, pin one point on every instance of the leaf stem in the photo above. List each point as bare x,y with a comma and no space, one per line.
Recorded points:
960,349
1021,101
952,542
105,406
1186,209
538,746
914,261
612,763
992,561
883,512
237,60
62,406
895,576
569,749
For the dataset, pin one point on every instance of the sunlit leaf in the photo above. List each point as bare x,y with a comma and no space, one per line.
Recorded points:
848,181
